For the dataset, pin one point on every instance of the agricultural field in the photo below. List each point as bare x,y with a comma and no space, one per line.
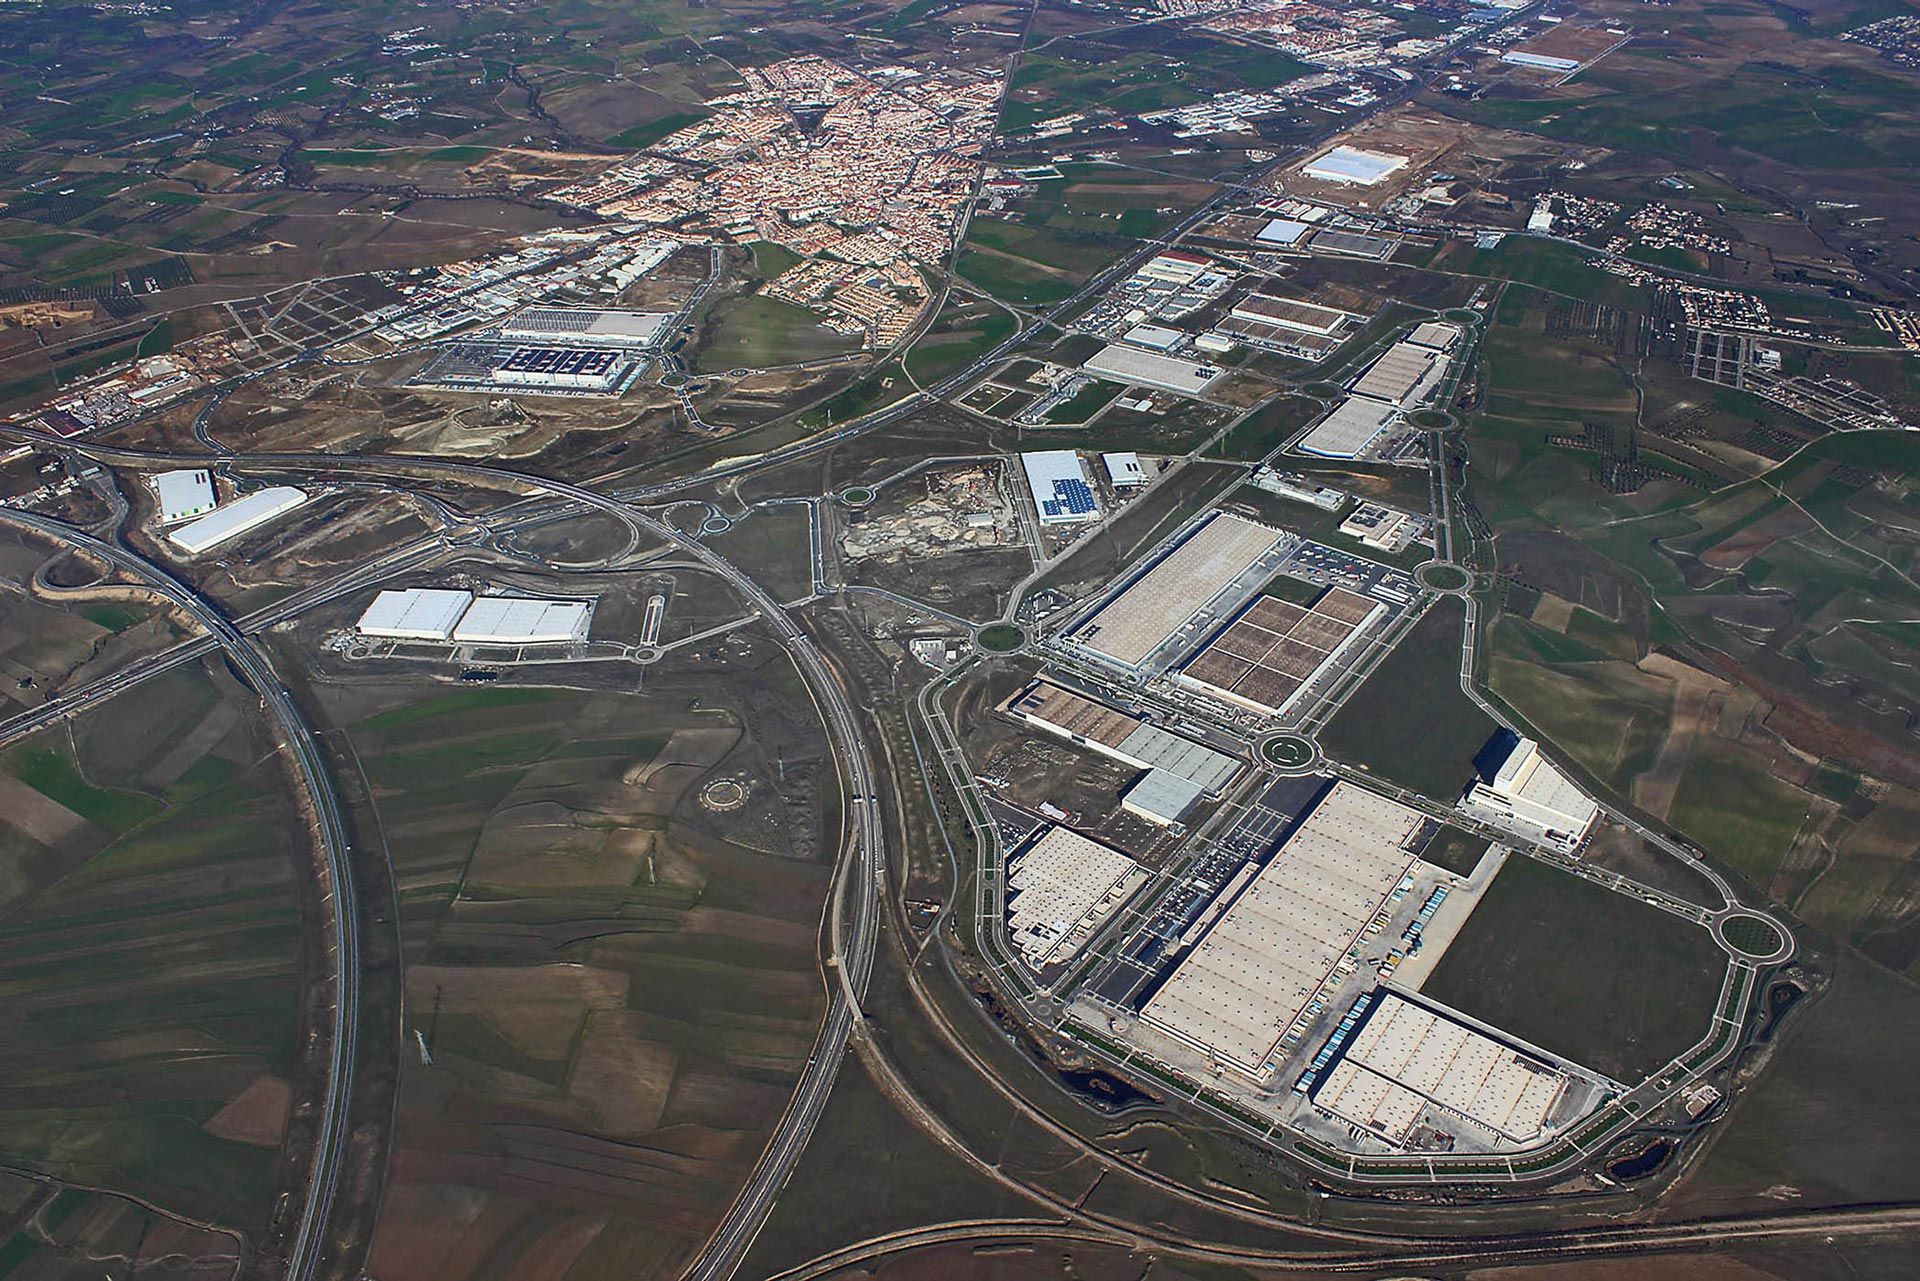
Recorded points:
1596,976
152,949
756,332
608,906
964,330
1030,265
1769,103
1409,722
1136,202
1688,655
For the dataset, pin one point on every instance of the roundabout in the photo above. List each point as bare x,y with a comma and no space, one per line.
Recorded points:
1000,638
1439,576
1290,753
1753,936
859,497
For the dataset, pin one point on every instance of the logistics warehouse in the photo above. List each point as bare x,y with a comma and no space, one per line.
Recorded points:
449,615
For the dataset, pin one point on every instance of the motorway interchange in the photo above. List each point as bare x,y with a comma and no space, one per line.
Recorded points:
859,902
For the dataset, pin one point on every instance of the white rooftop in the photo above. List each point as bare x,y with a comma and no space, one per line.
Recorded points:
1060,889
1349,429
1248,978
1353,165
1130,627
522,620
415,613
237,517
183,493
1129,364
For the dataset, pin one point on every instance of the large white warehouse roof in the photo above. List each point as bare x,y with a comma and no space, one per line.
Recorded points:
184,493
1127,364
237,517
522,620
415,613
1353,165
1060,491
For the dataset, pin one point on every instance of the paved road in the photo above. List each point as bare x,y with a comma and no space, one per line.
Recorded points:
338,891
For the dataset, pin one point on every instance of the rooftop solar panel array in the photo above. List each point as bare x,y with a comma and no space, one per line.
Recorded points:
1070,497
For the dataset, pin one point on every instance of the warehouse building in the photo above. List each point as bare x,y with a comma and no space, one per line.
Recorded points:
184,494
1128,364
1435,334
1403,370
1154,337
237,517
1061,494
1252,973
1352,166
1120,736
544,367
586,326
1540,61
1291,313
1274,649
1520,790
1161,796
1283,231
1408,1063
1176,267
1213,559
1124,470
1350,430
1060,890
414,613
523,620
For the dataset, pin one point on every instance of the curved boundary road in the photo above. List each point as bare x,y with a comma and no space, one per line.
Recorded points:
344,938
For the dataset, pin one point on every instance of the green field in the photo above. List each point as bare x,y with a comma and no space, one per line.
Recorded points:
1032,265
150,948
602,964
756,332
962,332
1601,978
1410,723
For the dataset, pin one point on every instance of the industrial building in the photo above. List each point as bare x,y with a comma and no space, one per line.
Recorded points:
1119,736
546,368
1061,494
237,517
523,620
1060,890
1271,941
1350,430
1291,313
1154,337
1149,611
414,613
184,494
1282,231
1520,790
1385,529
1161,796
1539,61
1176,266
1128,364
1353,166
1401,372
1124,470
1299,488
1274,649
1408,1064
1435,334
586,326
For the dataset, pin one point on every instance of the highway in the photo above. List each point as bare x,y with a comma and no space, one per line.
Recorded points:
337,890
